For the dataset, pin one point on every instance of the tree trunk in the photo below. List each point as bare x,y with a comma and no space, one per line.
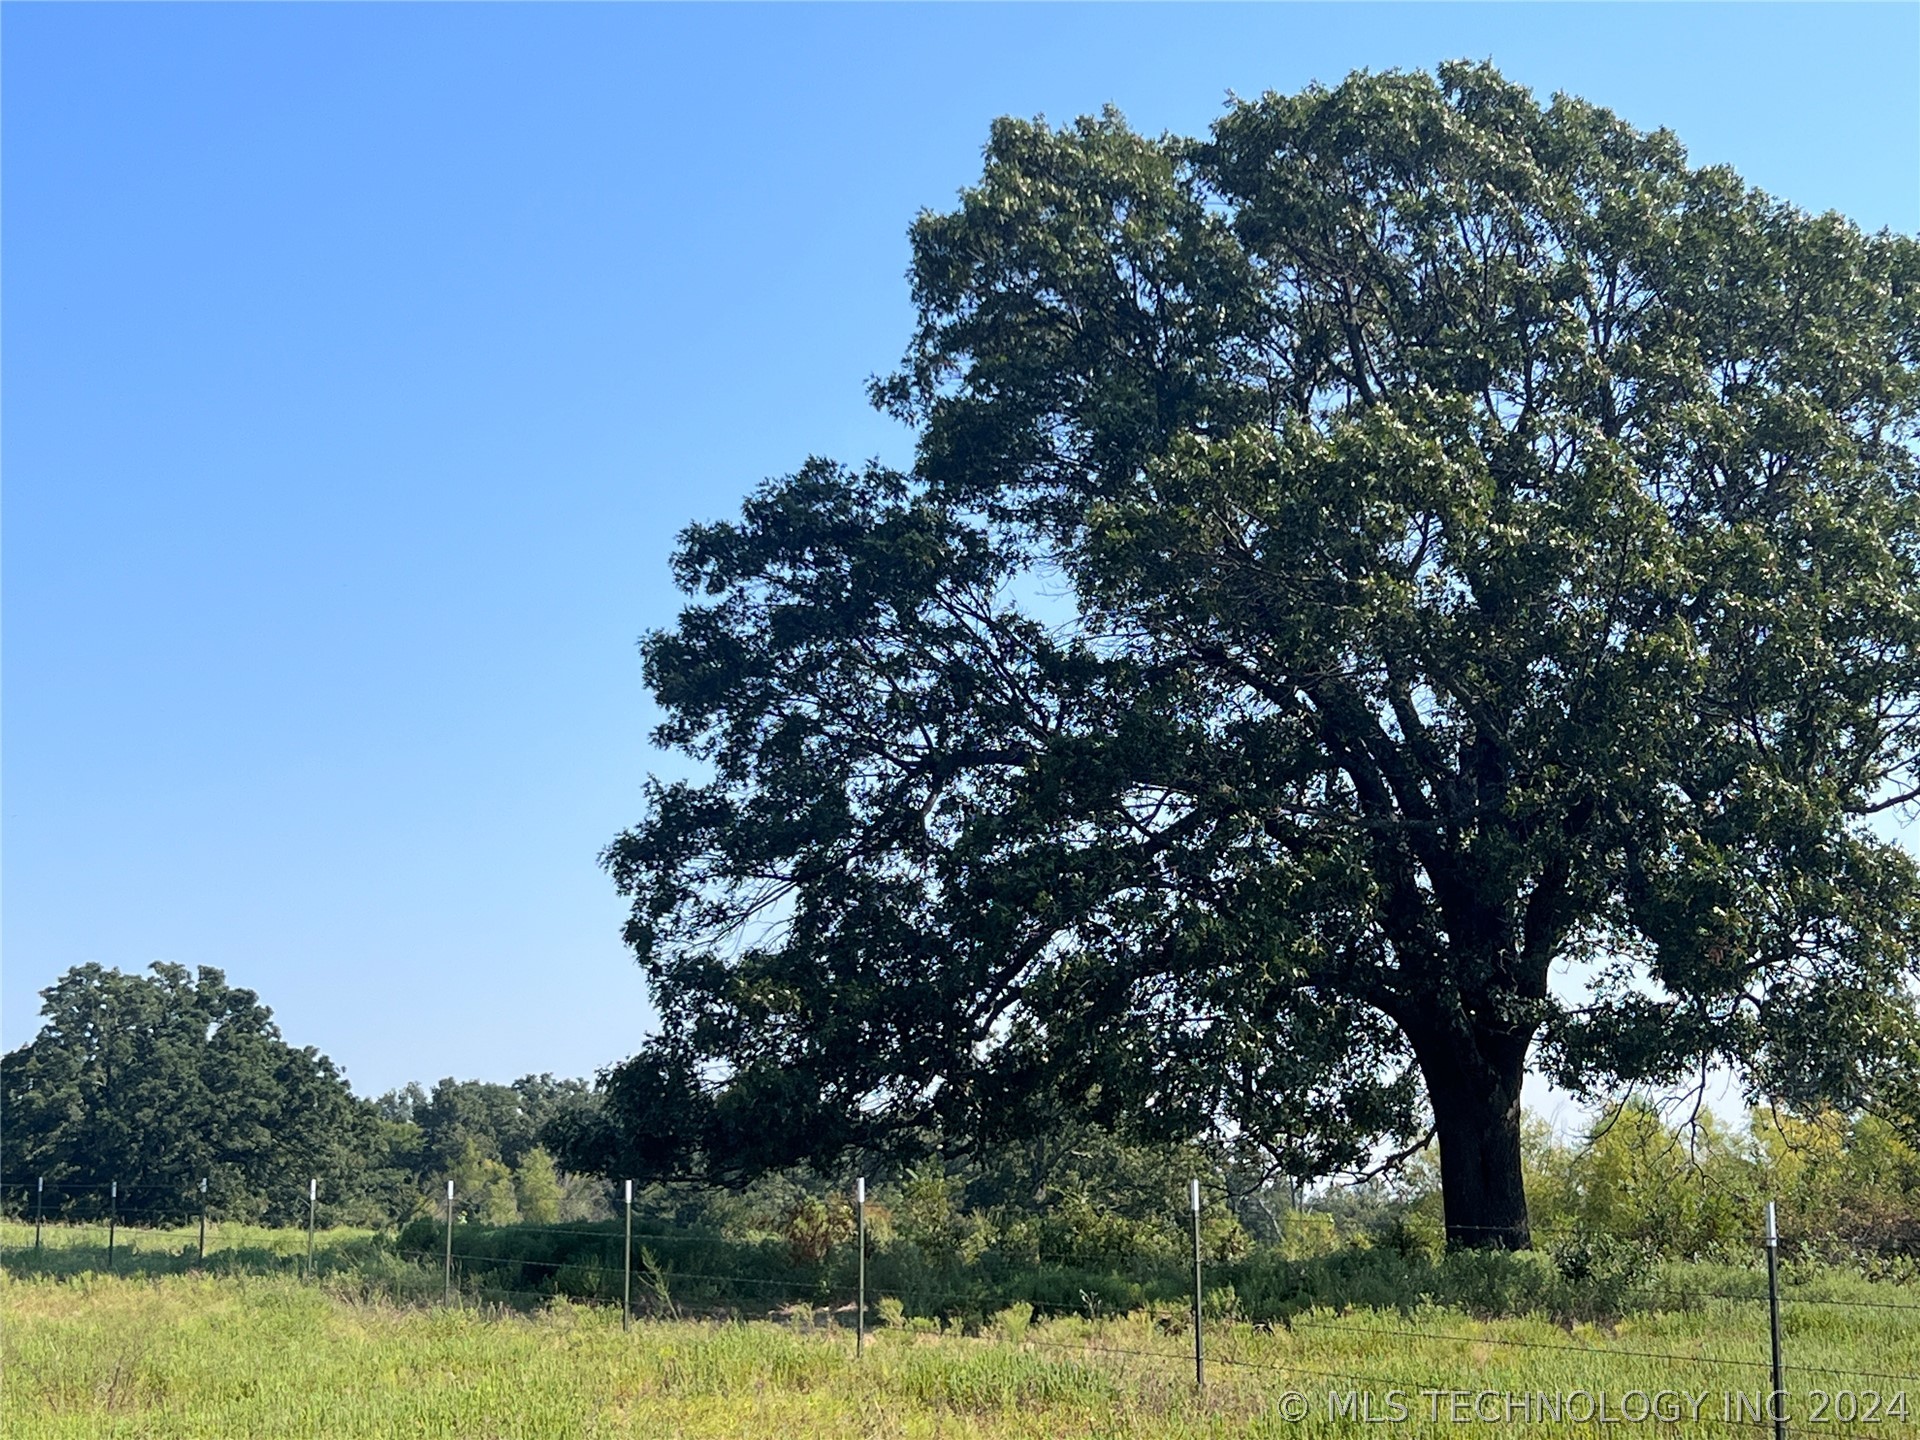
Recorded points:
1475,1093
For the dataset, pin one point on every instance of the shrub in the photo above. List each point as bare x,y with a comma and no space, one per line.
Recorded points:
1011,1323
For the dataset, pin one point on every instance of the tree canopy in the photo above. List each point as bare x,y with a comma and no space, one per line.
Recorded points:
156,1081
153,1082
488,1139
1409,544
501,1122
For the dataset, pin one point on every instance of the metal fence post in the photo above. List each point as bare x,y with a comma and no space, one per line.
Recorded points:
203,1218
860,1311
39,1203
1199,1355
448,1297
1778,1408
113,1219
313,1197
626,1291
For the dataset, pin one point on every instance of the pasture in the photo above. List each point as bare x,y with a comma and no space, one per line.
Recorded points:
245,1345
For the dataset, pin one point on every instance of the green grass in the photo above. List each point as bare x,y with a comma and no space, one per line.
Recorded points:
73,1249
245,1347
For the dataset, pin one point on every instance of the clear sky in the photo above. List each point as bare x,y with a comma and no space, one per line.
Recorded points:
361,363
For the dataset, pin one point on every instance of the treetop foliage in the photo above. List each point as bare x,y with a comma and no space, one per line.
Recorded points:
155,1081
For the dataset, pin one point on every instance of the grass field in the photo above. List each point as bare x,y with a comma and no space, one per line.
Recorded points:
246,1347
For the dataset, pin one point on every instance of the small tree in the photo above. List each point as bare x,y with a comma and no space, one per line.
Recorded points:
484,1187
1849,1179
536,1185
813,1226
1676,1189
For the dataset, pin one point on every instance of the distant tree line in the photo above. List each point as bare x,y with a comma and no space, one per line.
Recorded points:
155,1081
489,1139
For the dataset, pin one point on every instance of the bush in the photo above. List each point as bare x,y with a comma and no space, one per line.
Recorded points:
1603,1276
1011,1323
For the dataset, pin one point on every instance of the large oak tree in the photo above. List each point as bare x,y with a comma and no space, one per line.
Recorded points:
155,1082
1409,545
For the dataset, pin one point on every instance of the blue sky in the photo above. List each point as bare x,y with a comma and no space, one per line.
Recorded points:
361,363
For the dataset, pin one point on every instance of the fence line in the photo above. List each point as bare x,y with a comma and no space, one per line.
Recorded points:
192,1202
799,1290
1563,1228
948,1298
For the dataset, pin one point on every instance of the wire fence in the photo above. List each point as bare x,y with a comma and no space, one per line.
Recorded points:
653,1272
